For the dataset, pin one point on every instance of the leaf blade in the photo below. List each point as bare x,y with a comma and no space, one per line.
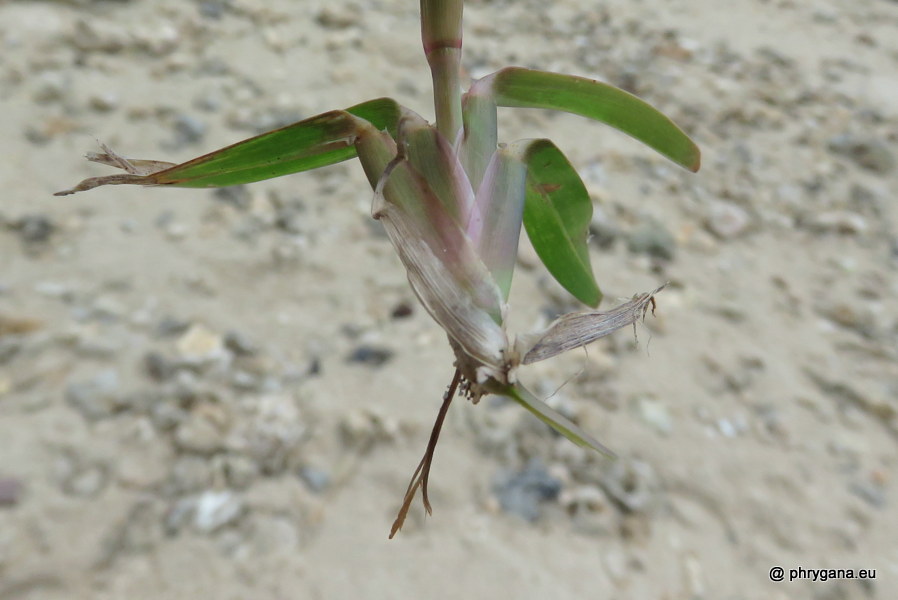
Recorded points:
551,417
309,144
319,141
557,213
528,88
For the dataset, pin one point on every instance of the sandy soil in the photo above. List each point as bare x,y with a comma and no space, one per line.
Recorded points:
223,394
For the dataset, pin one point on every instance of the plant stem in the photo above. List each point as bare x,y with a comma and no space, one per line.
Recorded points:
422,473
441,33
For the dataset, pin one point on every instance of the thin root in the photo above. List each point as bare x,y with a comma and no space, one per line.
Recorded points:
422,473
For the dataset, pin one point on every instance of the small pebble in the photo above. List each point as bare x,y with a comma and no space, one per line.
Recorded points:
18,325
166,415
212,9
159,367
632,483
402,310
315,479
726,427
334,18
871,493
85,481
603,230
51,86
198,434
237,196
55,289
371,356
363,427
272,435
655,414
216,509
139,532
190,474
850,315
179,515
172,326
840,221
291,217
160,40
240,470
727,220
591,511
96,398
35,229
188,130
866,151
652,238
10,491
200,344
94,35
522,492
239,344
104,102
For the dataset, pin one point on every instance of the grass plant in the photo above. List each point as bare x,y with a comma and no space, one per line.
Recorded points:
453,200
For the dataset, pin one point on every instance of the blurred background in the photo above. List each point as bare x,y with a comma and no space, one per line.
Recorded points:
224,393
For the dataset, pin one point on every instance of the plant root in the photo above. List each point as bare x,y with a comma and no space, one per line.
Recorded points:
422,473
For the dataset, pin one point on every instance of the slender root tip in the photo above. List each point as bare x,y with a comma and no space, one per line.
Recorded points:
422,472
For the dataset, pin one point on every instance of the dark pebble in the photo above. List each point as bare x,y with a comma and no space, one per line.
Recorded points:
871,493
603,231
212,10
239,344
188,130
35,229
402,310
522,492
170,326
158,366
370,355
237,196
867,152
9,347
10,491
652,238
96,398
632,484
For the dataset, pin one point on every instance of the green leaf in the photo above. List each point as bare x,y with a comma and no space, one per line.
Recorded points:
316,142
322,140
550,417
557,212
526,88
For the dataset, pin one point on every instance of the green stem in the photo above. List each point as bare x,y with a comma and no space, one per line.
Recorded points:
441,33
444,65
